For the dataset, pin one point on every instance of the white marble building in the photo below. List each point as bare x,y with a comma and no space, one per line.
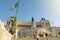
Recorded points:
28,28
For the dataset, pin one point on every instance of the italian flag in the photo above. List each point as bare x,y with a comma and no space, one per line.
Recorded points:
15,6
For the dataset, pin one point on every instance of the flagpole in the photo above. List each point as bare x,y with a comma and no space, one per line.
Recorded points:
16,12
17,9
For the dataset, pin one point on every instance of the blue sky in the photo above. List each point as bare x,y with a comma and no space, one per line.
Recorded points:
49,9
